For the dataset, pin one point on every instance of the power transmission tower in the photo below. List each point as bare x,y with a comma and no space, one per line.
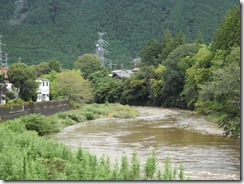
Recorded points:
1,52
5,60
3,55
101,52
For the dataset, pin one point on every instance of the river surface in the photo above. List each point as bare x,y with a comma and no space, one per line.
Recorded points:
184,136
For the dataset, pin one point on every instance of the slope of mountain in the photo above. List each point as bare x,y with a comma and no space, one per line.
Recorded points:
41,30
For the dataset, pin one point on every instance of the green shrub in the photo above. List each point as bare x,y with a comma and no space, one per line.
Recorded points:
122,115
16,125
89,115
10,95
16,101
61,115
68,122
98,109
77,117
114,110
40,124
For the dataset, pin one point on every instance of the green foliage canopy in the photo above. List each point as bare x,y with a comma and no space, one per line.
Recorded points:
221,95
23,77
47,67
228,33
71,85
174,79
150,53
88,64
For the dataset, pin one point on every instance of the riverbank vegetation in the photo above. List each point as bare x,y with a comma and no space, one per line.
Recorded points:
194,76
26,154
45,125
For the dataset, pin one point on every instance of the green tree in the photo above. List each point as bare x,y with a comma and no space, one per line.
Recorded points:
47,67
199,38
156,85
167,44
72,86
174,77
196,74
88,64
150,53
228,33
221,96
107,89
179,39
23,77
136,88
95,77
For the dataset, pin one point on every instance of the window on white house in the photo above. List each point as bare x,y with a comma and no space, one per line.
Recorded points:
43,84
46,83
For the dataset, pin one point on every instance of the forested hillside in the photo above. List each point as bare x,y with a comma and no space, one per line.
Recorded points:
42,30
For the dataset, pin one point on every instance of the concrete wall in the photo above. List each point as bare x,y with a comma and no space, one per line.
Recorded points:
44,108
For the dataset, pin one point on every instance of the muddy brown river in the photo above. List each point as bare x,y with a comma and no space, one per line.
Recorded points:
184,136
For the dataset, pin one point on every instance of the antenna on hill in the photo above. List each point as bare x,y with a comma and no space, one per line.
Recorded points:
100,51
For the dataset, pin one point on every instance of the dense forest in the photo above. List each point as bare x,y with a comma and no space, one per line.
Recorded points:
43,30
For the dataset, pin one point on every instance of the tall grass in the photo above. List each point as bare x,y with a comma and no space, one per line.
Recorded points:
26,156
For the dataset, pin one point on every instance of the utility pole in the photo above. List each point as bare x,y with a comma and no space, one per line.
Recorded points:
100,51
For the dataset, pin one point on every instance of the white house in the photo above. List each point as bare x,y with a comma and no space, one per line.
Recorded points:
9,86
43,90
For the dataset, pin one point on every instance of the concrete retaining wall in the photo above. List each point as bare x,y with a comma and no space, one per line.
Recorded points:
8,112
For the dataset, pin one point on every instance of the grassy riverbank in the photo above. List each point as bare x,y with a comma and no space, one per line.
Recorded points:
25,155
45,125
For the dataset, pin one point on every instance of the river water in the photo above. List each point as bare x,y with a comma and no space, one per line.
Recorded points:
184,136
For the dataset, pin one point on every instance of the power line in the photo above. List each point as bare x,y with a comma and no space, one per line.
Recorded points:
136,60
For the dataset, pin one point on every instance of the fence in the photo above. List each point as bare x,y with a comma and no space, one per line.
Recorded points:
45,108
